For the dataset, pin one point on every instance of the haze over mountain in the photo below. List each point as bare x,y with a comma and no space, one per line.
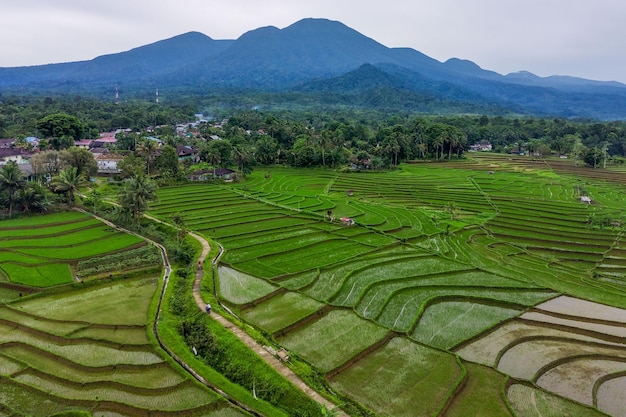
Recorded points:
319,62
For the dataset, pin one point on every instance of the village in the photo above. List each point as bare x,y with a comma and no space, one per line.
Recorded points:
108,155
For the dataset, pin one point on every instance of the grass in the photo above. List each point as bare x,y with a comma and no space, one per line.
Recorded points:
391,379
46,275
483,383
55,228
43,221
106,304
85,348
41,251
153,377
182,397
445,325
405,307
281,311
323,342
239,288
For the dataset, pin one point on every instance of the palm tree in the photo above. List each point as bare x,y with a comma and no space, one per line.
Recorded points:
11,181
242,157
422,147
148,148
33,197
437,142
67,182
135,196
324,140
212,155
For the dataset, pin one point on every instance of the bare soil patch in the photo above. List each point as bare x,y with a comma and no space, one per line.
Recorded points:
577,378
611,398
588,309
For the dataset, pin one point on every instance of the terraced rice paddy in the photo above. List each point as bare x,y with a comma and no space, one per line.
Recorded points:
45,251
89,350
449,280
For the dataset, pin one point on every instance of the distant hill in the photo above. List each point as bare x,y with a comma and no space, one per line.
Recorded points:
320,59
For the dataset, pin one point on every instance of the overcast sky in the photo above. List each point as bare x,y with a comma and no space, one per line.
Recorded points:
547,37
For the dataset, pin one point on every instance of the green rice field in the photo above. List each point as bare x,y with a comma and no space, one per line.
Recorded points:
46,250
87,350
441,257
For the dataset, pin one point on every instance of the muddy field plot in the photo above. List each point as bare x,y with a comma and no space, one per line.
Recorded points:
570,347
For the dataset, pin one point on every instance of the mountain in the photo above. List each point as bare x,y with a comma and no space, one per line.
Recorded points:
318,61
136,66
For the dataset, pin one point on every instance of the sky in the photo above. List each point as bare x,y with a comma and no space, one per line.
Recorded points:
579,38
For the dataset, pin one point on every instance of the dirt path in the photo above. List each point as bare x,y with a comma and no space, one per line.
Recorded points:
283,369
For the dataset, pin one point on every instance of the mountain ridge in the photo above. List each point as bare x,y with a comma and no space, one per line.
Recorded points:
312,52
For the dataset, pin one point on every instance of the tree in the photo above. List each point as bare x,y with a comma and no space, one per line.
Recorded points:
60,125
324,141
217,153
94,199
132,166
81,159
266,150
593,157
147,148
11,181
243,158
303,153
67,182
167,162
181,227
135,196
46,163
578,149
32,198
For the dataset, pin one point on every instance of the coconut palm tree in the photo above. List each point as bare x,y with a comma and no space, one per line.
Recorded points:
11,181
32,198
135,195
148,148
67,182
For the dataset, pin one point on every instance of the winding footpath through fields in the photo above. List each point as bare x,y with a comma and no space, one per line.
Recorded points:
270,359
283,369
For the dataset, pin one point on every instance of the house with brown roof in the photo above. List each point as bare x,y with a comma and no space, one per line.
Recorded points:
19,155
187,153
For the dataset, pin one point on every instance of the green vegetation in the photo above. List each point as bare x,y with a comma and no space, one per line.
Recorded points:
84,351
323,342
224,360
49,250
388,379
442,256
530,402
443,265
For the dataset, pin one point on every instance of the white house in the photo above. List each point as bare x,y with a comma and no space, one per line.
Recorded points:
482,146
107,163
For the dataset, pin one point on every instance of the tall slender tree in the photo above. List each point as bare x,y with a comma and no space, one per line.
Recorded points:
147,149
135,196
11,181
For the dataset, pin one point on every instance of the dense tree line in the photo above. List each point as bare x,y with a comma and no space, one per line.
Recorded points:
329,139
378,142
25,116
